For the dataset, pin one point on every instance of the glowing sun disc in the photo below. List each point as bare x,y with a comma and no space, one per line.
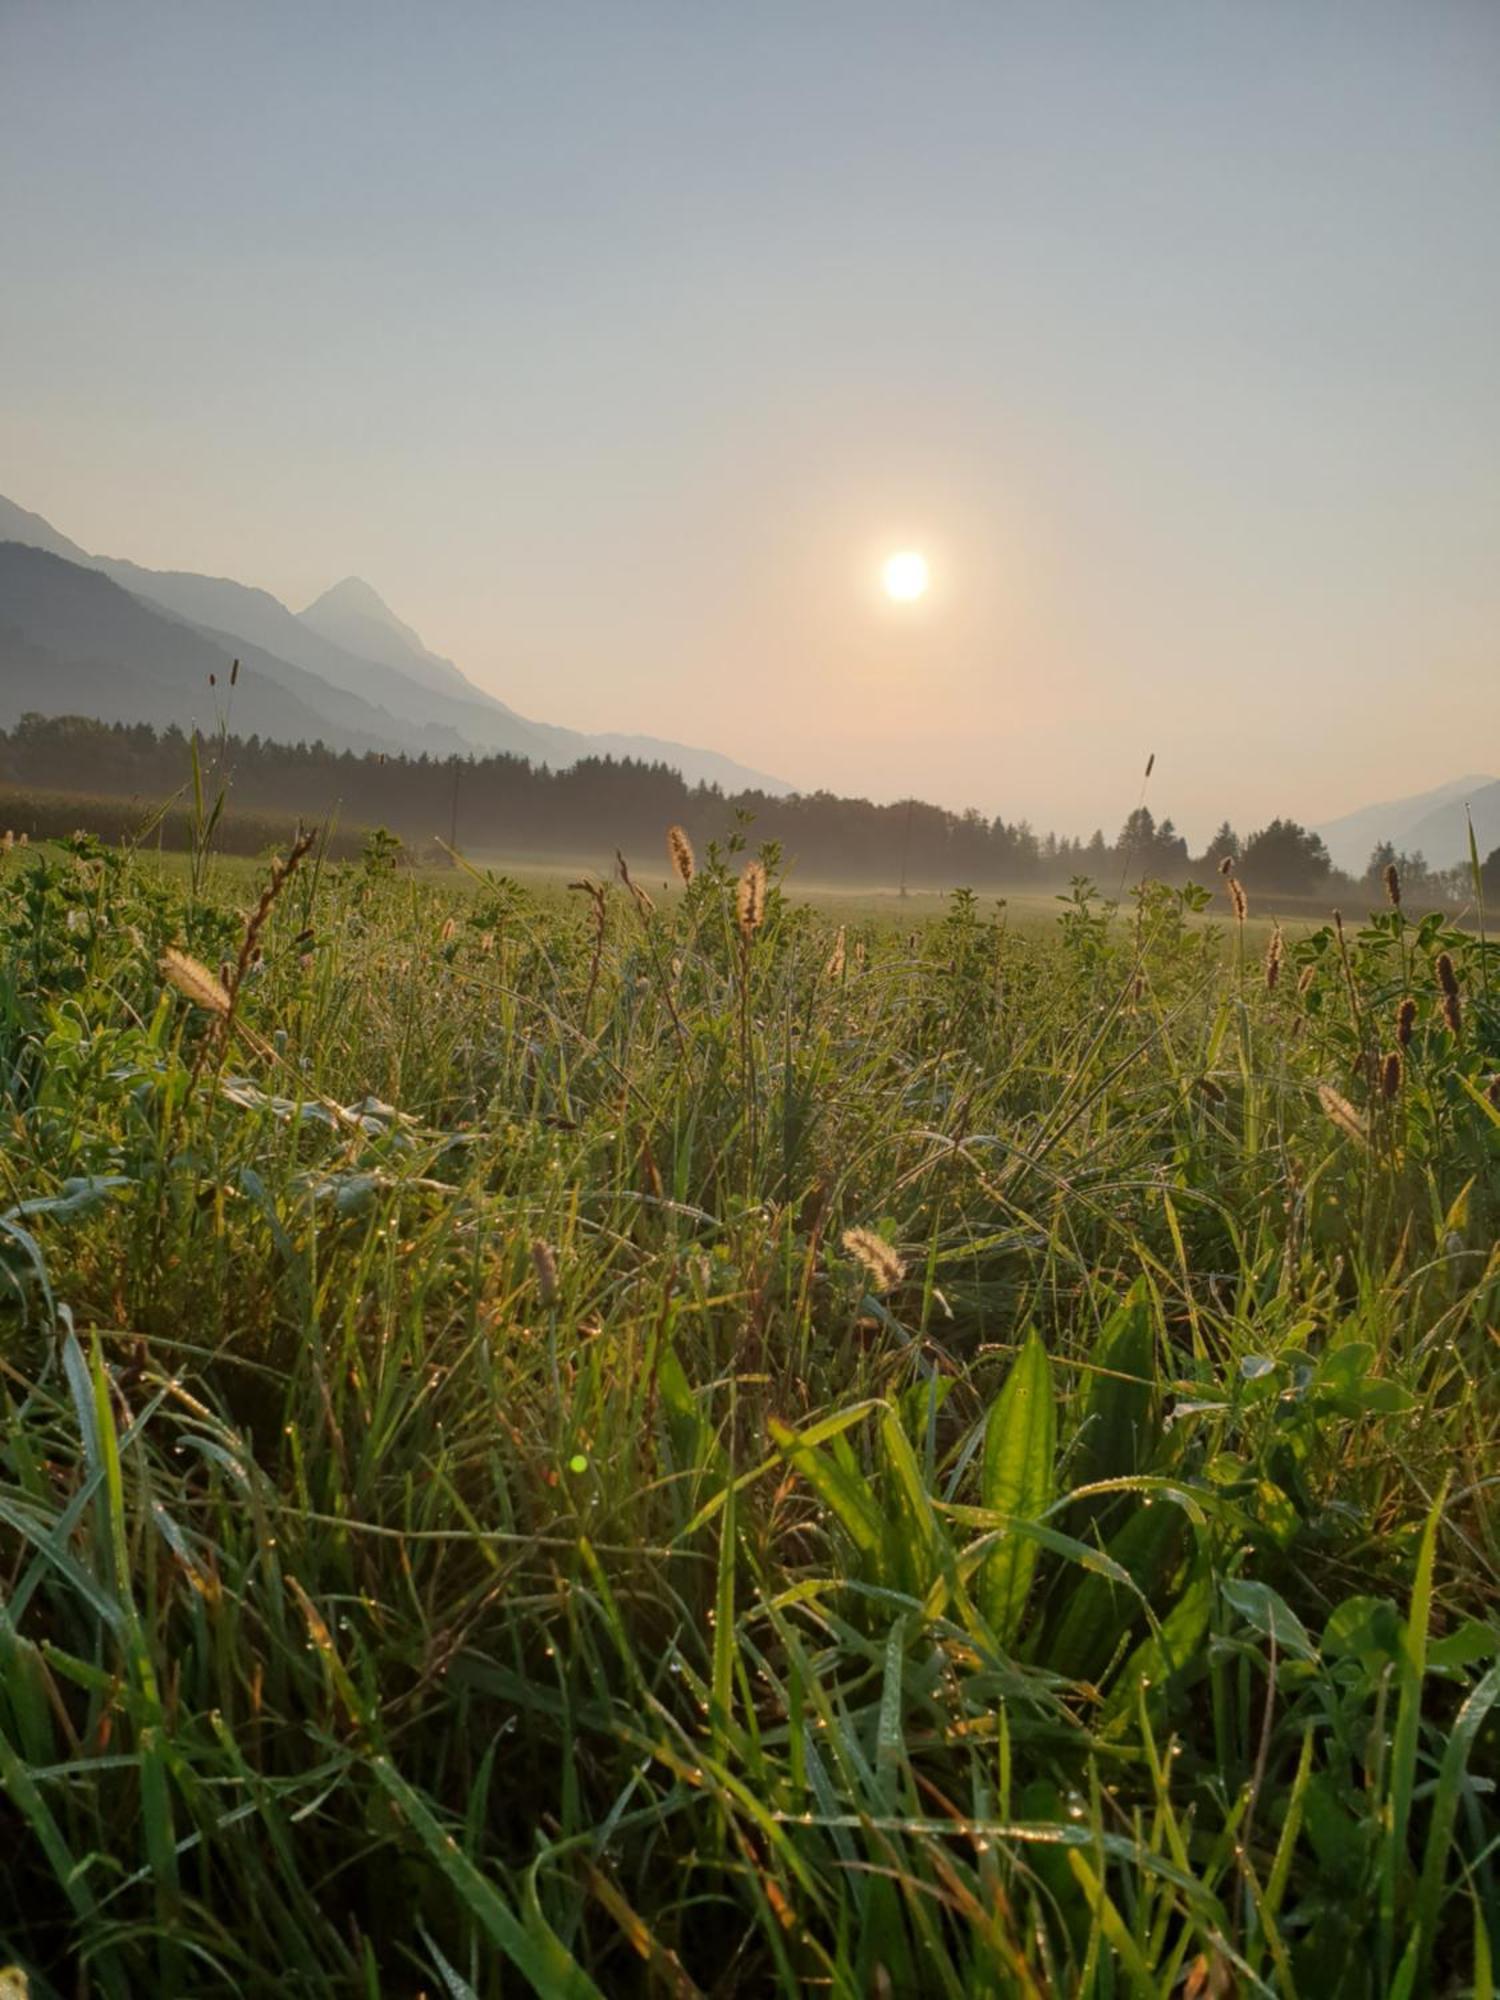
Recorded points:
904,576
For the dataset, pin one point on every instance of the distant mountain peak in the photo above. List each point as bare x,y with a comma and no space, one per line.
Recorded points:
353,594
346,669
353,614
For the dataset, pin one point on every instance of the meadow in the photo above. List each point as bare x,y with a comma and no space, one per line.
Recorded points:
589,1442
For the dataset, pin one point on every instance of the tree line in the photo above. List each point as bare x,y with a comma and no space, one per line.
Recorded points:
504,804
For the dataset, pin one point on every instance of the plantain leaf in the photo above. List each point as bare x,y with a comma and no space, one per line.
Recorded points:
1016,1481
1117,1429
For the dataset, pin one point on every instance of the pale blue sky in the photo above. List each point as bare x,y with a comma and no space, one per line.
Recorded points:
615,344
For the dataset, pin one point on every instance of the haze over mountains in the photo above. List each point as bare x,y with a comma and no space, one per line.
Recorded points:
103,636
1434,824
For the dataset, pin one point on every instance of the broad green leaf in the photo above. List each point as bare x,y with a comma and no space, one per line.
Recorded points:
1016,1481
1116,1430
847,1494
1269,1615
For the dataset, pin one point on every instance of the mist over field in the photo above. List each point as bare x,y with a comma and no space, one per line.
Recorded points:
749,1001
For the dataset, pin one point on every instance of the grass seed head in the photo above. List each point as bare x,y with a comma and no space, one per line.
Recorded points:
1342,1113
750,903
838,957
194,980
885,1268
1390,1075
680,849
1239,902
1406,1020
1392,880
544,1263
1275,953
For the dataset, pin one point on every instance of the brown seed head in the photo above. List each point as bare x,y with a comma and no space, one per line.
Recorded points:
837,957
1390,1075
1406,1020
1308,974
680,849
881,1262
544,1263
1238,901
1392,882
1447,978
1226,866
750,903
1275,953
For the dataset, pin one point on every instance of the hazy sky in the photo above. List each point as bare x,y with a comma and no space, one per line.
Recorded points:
615,345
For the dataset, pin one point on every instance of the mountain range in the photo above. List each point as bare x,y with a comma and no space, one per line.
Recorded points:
101,636
1433,824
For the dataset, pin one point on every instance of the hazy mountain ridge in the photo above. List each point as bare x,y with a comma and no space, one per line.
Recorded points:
354,616
362,675
1431,823
73,641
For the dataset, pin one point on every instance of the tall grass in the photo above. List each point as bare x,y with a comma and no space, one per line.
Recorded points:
615,1447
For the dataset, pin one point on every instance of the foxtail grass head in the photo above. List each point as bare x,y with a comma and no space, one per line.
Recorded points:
884,1268
750,901
680,851
1342,1113
195,982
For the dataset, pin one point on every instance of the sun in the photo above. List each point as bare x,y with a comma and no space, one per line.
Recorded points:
905,576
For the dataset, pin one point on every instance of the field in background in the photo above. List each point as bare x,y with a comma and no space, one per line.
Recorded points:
717,1447
172,827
